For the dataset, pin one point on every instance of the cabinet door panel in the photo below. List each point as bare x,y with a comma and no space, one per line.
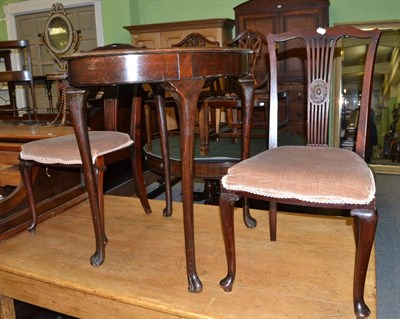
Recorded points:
294,54
299,19
278,16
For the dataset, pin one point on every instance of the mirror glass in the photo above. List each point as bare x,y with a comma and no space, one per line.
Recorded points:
384,136
59,33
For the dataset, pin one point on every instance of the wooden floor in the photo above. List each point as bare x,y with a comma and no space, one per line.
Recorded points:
307,273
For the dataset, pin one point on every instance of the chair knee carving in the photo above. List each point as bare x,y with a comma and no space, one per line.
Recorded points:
106,147
314,175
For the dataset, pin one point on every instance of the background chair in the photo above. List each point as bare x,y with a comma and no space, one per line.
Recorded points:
231,101
315,175
19,76
160,102
107,147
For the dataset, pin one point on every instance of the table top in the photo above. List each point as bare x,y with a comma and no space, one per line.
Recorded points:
127,65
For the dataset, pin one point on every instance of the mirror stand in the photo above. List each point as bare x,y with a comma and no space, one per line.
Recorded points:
60,39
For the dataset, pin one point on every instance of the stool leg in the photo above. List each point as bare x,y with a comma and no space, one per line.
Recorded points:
99,171
25,168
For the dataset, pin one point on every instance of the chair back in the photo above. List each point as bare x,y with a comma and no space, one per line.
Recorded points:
255,41
195,40
322,48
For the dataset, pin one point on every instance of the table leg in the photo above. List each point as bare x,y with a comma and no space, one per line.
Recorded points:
77,102
186,93
247,84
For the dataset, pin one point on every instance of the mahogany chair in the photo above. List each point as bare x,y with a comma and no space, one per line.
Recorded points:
314,175
20,76
107,147
231,102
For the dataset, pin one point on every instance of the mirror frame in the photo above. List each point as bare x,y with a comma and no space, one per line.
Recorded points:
48,37
58,12
381,25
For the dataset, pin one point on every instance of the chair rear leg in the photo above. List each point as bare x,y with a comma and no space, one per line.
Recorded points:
25,168
272,220
365,222
249,221
227,203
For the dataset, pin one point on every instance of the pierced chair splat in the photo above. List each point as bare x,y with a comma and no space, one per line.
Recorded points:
315,175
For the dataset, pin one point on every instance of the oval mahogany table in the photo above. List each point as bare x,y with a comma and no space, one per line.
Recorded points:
182,72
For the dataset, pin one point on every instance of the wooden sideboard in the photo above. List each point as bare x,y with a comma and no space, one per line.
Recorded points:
163,35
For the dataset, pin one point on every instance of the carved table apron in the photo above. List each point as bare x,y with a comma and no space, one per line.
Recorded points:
181,71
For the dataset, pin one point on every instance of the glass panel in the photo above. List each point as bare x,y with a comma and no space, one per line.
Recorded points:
58,33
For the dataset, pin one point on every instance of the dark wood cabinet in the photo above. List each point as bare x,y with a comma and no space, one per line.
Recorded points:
274,16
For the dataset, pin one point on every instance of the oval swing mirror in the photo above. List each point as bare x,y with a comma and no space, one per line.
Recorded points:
59,33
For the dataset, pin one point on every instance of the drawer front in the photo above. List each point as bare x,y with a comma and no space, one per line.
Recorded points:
296,129
297,113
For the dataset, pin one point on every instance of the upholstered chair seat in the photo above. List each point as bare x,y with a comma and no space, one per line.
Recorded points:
327,176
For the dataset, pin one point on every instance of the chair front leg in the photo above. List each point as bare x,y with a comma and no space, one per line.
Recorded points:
227,203
365,222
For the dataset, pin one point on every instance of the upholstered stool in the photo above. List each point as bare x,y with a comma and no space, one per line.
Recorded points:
106,147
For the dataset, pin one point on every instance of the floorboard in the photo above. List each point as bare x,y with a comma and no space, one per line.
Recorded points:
307,273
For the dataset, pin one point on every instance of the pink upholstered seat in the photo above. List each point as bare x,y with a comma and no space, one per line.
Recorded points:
327,175
48,151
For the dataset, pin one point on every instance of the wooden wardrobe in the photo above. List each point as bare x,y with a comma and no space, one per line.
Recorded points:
277,16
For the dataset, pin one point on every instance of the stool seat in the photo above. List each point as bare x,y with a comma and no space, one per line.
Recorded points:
48,151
